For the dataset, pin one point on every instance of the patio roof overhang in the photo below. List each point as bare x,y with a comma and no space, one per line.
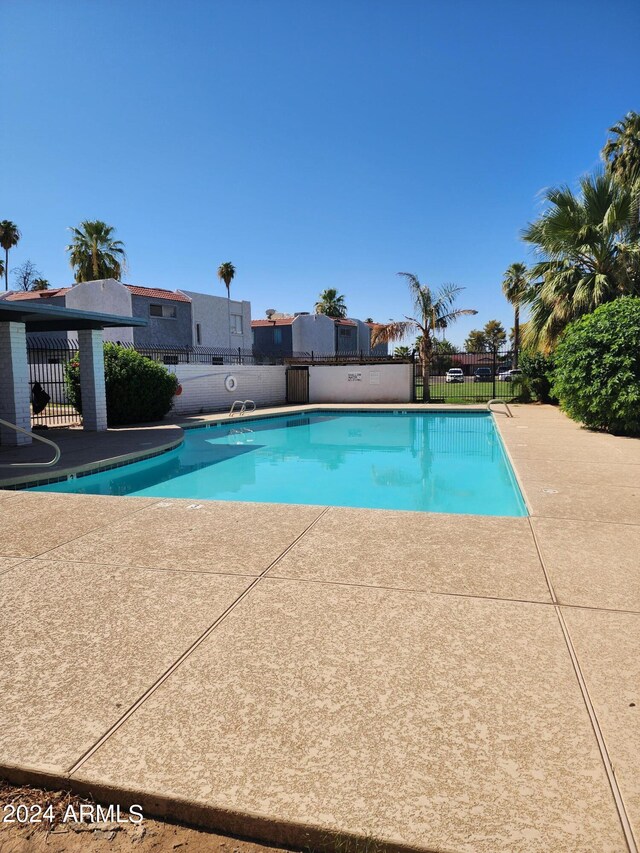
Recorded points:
55,318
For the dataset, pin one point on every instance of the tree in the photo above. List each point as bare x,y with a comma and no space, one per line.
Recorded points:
434,311
9,237
226,274
515,284
587,256
475,341
331,303
621,153
443,350
402,352
40,284
490,339
93,252
369,320
25,276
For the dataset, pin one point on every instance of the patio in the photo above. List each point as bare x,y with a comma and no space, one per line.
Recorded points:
296,673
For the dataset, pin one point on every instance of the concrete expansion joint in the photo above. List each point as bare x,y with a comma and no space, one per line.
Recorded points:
189,651
595,724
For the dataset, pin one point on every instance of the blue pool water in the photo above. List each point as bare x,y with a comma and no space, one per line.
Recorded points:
437,462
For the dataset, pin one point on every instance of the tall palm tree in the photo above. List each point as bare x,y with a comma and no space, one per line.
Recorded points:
331,303
587,255
514,286
9,237
434,311
226,273
93,252
622,152
622,158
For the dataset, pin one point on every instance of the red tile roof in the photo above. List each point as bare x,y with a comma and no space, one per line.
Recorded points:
157,293
135,290
37,294
280,321
345,322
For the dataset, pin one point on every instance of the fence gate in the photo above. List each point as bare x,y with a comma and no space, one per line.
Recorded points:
297,385
468,377
47,362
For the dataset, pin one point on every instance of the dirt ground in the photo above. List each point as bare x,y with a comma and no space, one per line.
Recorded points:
55,836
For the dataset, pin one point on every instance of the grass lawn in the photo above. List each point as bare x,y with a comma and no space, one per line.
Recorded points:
469,391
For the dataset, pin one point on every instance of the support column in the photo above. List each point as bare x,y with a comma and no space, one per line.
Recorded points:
15,393
94,401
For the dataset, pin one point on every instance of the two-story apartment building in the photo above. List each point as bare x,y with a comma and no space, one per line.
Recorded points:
289,335
179,318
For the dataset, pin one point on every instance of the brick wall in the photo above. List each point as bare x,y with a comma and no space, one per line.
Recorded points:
203,388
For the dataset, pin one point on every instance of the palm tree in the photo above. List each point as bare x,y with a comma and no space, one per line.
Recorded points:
514,286
40,284
94,254
9,237
331,303
622,152
402,352
434,311
226,273
587,255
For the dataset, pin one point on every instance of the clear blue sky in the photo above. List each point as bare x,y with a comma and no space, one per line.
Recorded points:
314,144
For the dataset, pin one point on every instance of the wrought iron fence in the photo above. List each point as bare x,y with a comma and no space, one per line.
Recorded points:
48,359
468,377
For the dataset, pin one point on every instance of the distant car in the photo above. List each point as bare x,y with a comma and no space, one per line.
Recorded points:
482,374
454,374
509,375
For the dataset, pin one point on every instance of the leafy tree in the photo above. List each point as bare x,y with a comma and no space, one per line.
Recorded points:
587,256
9,237
331,303
495,336
537,375
515,284
25,276
94,253
475,341
226,274
597,368
369,320
434,311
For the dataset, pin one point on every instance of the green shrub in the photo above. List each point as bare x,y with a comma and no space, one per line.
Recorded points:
138,389
537,375
597,374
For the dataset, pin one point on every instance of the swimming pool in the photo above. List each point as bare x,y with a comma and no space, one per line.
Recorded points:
437,462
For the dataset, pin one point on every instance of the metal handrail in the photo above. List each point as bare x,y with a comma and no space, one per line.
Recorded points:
243,407
41,438
504,403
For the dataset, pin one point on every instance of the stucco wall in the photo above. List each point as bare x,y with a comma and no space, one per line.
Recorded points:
212,314
203,386
313,333
107,296
360,383
162,331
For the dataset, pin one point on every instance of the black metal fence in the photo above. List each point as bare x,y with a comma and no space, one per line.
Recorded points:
48,359
464,377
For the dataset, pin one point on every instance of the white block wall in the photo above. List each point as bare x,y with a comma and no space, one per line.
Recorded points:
15,391
203,387
360,383
92,388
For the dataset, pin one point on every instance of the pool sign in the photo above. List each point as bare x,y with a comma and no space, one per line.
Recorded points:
354,377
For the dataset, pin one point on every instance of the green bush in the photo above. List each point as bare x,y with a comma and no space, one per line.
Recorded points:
597,374
537,375
138,389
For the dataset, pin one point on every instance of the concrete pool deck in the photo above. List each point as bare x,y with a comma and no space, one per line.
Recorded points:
441,682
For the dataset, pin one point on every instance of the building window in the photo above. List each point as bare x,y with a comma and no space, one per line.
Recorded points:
166,311
345,332
277,336
198,334
170,359
236,324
